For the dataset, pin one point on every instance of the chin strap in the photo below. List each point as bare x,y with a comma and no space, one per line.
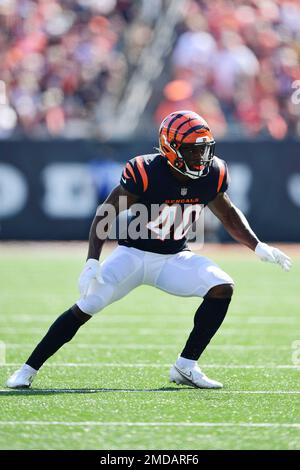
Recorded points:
187,171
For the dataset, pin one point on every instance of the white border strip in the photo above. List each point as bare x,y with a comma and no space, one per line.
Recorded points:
157,365
216,347
136,319
150,424
37,391
135,331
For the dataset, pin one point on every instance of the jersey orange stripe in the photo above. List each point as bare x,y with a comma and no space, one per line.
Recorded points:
127,176
221,174
140,165
130,169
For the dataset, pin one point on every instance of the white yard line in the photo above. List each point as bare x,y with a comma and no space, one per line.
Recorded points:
157,365
133,346
37,391
144,318
134,331
150,424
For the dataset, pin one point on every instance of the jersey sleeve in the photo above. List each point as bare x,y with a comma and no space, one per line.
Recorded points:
223,177
134,177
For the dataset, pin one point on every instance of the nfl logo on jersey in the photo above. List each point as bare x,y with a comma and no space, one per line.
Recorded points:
183,191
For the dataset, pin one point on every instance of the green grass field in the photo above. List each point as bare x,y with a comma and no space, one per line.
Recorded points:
109,389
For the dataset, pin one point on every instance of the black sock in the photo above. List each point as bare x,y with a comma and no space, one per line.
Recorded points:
207,321
59,333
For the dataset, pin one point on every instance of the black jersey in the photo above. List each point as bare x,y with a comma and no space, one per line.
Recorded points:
150,177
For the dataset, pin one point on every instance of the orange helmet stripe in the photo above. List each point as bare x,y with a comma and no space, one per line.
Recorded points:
127,176
175,118
187,121
176,123
141,168
191,130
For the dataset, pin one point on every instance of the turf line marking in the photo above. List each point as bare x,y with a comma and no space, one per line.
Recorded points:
133,332
159,346
154,424
156,365
37,391
25,318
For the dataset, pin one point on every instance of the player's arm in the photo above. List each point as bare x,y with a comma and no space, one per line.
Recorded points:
118,200
233,220
238,227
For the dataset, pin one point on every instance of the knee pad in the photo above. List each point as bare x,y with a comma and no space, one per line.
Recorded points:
220,276
96,299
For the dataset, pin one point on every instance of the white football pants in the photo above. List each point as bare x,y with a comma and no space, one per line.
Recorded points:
185,274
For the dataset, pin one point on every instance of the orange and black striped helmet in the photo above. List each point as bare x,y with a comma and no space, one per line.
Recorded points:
186,140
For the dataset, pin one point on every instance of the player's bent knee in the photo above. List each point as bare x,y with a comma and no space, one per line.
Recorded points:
83,317
97,298
222,291
92,304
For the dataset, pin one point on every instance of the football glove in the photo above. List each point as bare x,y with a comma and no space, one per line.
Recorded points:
273,255
91,270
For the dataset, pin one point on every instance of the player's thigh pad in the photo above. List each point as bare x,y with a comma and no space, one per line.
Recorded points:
188,274
122,271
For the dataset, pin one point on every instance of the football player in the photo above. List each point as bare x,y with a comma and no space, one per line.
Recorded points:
185,172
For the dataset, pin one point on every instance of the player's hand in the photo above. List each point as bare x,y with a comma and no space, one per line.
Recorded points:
91,270
273,255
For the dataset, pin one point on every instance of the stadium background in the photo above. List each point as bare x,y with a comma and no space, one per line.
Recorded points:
84,85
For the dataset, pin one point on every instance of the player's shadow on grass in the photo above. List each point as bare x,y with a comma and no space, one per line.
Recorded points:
55,391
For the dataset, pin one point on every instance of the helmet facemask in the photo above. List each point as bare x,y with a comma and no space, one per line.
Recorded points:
186,141
193,160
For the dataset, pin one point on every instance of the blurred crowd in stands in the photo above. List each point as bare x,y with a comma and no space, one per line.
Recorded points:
234,61
58,58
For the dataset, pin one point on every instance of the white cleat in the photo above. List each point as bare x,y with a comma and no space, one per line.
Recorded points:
192,376
22,378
